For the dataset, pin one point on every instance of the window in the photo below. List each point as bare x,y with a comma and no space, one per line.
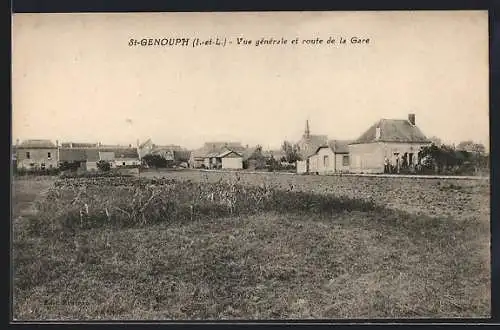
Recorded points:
345,160
48,155
123,163
325,161
27,155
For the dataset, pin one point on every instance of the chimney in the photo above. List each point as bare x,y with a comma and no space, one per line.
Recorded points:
411,118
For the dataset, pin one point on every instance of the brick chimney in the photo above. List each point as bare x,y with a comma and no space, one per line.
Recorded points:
411,118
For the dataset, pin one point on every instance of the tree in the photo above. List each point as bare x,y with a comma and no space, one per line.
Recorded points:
472,146
435,140
258,157
291,152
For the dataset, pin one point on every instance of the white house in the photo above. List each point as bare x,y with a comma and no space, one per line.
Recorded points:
392,142
208,156
330,158
231,160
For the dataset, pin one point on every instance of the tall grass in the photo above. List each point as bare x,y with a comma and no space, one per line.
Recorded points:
84,203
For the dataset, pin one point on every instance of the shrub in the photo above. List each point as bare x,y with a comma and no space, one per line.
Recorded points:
103,166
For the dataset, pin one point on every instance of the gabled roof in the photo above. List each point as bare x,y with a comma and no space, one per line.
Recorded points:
211,148
337,146
228,152
37,144
393,130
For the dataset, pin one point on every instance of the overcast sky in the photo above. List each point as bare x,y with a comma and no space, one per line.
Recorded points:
76,78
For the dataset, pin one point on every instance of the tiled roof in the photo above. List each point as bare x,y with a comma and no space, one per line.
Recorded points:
37,144
393,130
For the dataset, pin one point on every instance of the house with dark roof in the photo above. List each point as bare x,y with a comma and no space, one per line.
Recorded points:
388,143
330,158
212,153
36,154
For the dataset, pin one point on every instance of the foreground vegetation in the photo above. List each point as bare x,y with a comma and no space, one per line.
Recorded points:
212,248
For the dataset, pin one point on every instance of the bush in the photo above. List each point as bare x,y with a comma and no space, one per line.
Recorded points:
103,166
37,172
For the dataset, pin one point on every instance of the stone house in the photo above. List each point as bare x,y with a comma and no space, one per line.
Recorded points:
392,143
37,154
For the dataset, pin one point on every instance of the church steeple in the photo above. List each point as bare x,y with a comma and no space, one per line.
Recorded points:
307,132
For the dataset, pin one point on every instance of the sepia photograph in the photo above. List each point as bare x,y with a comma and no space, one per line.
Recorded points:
250,166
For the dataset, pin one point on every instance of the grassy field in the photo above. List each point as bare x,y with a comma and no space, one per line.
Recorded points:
197,245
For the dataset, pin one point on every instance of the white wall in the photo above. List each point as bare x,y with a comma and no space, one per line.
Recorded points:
339,163
369,157
322,167
232,163
301,166
128,162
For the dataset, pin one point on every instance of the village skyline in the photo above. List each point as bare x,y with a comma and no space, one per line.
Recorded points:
71,82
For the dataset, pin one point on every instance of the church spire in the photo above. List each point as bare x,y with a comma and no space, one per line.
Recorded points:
307,132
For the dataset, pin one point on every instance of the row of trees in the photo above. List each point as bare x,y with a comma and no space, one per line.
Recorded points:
465,158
